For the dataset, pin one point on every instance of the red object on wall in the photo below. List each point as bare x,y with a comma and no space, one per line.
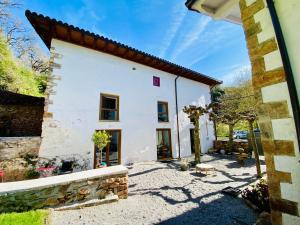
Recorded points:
156,81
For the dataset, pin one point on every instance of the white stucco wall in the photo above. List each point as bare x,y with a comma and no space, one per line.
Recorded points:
289,17
85,74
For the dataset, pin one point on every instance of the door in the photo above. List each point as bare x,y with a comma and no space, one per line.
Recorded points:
111,154
192,140
164,144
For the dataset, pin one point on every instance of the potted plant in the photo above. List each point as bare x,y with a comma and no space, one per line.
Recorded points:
100,139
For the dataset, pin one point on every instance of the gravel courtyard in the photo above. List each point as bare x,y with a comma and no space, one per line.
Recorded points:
161,194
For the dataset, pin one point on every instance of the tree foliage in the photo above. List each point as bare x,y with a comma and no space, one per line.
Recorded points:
101,139
23,67
194,113
16,77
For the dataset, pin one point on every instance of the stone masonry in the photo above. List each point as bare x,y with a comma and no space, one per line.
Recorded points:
275,113
22,120
64,190
18,147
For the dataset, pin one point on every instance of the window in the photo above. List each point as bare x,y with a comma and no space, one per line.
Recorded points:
109,109
163,140
111,154
162,110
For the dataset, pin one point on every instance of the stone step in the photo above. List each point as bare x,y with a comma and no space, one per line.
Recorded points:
93,202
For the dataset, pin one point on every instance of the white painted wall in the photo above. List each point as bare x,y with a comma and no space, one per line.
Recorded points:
85,74
289,17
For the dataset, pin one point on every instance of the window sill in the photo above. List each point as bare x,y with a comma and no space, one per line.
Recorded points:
109,120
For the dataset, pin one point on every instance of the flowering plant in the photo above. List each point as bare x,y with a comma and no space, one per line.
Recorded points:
258,195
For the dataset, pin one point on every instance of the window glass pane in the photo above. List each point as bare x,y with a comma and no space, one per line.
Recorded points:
113,148
109,103
162,117
162,107
159,137
110,153
108,115
163,144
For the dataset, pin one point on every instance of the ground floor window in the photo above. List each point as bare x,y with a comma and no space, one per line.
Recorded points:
111,154
164,144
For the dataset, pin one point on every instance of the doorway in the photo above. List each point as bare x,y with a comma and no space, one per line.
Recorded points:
192,130
111,154
164,144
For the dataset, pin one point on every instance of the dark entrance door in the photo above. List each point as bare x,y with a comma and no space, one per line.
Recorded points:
111,154
192,140
164,145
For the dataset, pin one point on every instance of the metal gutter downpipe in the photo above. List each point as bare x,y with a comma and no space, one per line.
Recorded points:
287,66
176,101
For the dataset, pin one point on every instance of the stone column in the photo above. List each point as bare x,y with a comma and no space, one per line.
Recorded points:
276,121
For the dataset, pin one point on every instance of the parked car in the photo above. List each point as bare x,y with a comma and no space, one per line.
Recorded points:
240,134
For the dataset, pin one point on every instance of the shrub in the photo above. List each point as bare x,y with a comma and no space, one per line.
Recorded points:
101,139
32,174
258,195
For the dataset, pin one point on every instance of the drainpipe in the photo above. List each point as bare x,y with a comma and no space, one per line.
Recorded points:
178,136
287,66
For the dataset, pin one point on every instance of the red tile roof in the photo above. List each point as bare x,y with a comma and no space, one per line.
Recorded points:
48,29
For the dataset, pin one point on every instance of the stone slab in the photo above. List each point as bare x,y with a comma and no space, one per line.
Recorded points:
12,187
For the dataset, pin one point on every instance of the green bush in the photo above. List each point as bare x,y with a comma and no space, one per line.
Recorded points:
258,194
101,139
32,174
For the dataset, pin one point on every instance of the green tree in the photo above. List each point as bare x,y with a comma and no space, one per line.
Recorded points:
24,68
194,113
251,118
216,96
101,140
15,77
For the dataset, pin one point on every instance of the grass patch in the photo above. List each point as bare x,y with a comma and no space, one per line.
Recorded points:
26,218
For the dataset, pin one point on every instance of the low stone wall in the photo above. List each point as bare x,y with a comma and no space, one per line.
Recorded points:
18,147
65,189
223,144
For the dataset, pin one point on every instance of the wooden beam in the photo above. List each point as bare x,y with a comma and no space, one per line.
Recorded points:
69,34
95,43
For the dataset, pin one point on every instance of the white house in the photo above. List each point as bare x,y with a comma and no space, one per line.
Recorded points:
99,84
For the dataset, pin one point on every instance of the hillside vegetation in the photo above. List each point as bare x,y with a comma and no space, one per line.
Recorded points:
23,65
15,77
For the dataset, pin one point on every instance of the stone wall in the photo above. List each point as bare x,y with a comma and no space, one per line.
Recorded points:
18,147
63,190
223,144
13,151
20,120
276,120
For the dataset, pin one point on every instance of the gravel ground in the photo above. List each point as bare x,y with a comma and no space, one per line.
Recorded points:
161,194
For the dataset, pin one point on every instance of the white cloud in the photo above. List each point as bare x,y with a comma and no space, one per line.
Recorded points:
86,16
192,36
241,72
178,13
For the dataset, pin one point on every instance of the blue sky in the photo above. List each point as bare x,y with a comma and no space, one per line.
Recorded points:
163,28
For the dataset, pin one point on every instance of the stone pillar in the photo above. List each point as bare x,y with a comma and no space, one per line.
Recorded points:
276,121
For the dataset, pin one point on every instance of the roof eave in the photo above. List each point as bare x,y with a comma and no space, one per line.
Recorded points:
49,29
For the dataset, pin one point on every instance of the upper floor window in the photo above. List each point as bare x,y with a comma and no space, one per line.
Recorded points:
109,107
162,111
